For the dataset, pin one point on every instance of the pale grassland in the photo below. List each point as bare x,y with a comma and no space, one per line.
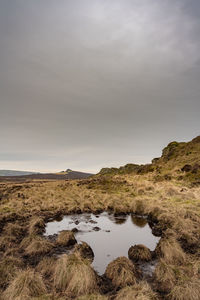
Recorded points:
173,206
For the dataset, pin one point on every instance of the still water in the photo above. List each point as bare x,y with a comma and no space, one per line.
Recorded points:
108,236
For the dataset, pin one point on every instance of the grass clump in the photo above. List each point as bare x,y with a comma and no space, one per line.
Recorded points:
15,230
48,297
8,268
139,253
92,297
66,238
44,297
84,250
170,250
168,276
140,291
74,276
46,266
36,225
25,285
121,272
165,275
7,242
36,245
186,290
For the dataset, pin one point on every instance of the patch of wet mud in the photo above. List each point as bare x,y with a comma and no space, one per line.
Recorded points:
108,235
148,268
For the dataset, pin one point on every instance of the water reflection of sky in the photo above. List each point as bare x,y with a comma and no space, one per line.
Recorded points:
115,237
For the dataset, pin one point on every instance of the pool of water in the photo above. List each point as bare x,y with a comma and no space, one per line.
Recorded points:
108,236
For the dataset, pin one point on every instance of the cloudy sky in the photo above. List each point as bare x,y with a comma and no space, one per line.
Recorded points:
86,84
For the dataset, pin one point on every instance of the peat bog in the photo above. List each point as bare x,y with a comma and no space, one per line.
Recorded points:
108,235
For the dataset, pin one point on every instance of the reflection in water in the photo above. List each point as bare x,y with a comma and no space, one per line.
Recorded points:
115,237
139,221
117,219
120,220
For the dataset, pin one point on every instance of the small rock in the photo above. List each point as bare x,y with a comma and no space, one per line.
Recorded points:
96,228
93,222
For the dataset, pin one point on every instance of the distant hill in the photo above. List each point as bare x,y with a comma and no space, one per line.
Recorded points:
21,176
15,173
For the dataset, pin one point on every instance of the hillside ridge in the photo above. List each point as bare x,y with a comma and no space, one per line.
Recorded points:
179,159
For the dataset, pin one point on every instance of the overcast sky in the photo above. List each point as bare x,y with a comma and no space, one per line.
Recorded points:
86,84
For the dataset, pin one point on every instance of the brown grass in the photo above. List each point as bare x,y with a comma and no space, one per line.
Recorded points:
66,238
74,276
25,285
7,242
44,297
165,274
36,245
139,253
170,250
186,290
12,229
36,225
84,250
171,276
121,272
171,205
8,269
92,297
140,291
46,267
39,246
48,297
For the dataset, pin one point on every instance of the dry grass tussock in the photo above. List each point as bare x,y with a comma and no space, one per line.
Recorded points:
139,253
7,242
13,229
36,245
140,291
74,276
121,272
25,285
169,276
170,250
84,250
66,238
8,269
166,275
48,297
186,290
46,267
36,225
92,297
11,236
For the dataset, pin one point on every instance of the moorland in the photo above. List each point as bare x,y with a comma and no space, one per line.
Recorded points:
167,192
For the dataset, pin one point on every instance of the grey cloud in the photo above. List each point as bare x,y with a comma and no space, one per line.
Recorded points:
115,79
